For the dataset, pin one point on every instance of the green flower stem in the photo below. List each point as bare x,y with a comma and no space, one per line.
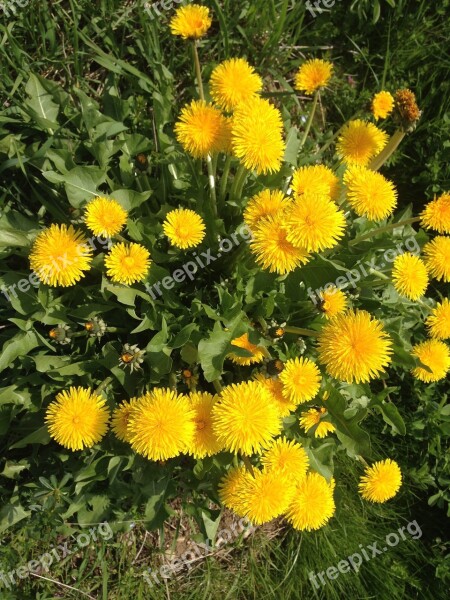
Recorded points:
121,238
387,152
248,465
224,178
217,385
379,274
238,182
209,163
104,384
390,227
310,118
301,331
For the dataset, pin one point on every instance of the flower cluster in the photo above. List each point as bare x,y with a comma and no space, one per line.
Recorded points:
301,220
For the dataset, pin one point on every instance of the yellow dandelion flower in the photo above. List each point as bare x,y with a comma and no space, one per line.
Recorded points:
224,140
286,457
201,128
121,418
301,380
359,142
275,388
105,217
267,203
382,105
205,442
266,496
314,418
259,353
369,193
435,355
313,504
162,426
438,322
315,179
436,214
245,419
333,302
184,228
60,255
354,347
127,263
381,481
409,275
437,257
272,250
257,136
232,82
191,22
77,418
314,222
231,489
313,75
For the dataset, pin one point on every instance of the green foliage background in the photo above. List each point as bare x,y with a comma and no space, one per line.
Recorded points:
86,87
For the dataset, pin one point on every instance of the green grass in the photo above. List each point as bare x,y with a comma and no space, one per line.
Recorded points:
273,564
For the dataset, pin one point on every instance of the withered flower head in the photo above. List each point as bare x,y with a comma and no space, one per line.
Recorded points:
406,111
